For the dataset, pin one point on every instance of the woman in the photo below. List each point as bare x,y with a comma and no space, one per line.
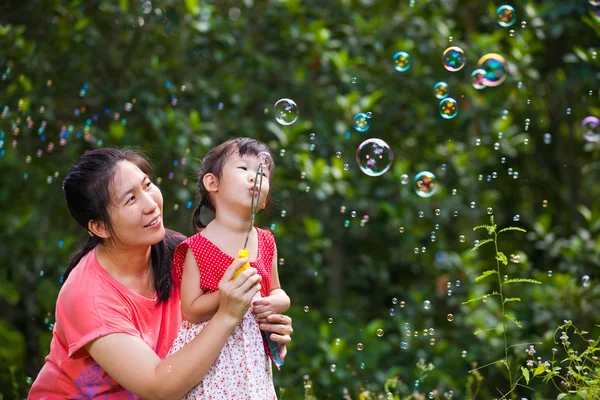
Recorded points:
118,311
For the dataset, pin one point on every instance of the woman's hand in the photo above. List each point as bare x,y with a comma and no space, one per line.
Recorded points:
280,327
235,295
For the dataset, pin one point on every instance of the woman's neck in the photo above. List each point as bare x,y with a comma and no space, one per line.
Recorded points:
125,262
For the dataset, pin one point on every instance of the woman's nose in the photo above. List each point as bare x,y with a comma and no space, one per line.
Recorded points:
150,204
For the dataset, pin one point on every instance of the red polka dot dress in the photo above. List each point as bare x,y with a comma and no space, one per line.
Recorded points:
242,370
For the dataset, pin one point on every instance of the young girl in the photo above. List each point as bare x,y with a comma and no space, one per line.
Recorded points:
226,183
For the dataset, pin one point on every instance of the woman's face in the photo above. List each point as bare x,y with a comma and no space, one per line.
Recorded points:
136,212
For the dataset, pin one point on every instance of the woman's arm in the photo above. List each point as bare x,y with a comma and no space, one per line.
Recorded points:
136,367
195,305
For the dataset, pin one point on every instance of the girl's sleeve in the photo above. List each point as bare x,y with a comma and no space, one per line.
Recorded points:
84,314
178,261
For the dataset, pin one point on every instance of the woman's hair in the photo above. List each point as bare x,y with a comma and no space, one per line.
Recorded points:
87,191
213,163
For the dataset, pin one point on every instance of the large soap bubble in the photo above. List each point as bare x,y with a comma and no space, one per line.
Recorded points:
425,184
441,90
448,108
506,15
286,111
401,61
374,157
591,128
453,58
494,66
361,122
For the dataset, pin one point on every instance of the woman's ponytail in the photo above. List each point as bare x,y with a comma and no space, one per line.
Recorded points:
91,243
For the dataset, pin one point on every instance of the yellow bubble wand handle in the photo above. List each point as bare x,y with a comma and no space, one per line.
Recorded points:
244,253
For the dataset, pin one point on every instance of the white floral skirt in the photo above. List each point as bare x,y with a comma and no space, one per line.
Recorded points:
242,370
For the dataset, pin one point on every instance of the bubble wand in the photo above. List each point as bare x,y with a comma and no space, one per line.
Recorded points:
242,253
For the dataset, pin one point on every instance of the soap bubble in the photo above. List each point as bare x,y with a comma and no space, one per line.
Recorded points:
450,317
506,15
464,353
286,111
361,122
448,108
394,300
402,304
427,304
306,309
495,69
441,90
374,157
591,129
379,332
477,78
403,345
425,184
550,273
461,238
453,58
401,61
359,347
404,179
332,368
585,281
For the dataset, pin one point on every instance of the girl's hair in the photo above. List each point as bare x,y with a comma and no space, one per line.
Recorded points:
87,191
213,163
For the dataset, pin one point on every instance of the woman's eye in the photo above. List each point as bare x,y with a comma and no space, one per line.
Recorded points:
130,199
148,184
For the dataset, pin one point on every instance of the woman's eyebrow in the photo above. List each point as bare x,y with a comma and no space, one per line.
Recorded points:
131,190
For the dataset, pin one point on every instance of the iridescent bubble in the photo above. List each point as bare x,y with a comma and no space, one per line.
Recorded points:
286,111
585,281
448,108
374,157
441,90
457,283
477,78
506,15
495,69
392,312
427,304
591,129
403,345
453,58
517,218
425,184
362,365
404,179
361,122
401,61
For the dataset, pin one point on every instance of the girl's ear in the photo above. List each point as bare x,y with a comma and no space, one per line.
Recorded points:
210,183
98,228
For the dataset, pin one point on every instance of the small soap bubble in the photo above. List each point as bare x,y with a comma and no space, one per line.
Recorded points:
545,203
332,368
457,283
401,229
346,223
394,301
490,210
338,154
464,353
423,249
286,111
392,312
516,218
477,142
454,191
403,345
416,250
346,167
495,69
421,214
312,136
330,320
353,214
306,309
282,152
585,281
448,108
404,179
461,238
449,292
379,332
430,395
402,304
441,90
427,304
359,347
523,24
568,111
354,79
511,32
402,61
283,213
550,273
453,58
455,213
437,211
477,78
432,341
547,138
362,365
417,383
506,15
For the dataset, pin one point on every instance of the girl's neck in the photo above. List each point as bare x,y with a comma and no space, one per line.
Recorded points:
231,223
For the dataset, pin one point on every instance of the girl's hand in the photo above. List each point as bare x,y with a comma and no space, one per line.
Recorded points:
280,327
235,295
276,303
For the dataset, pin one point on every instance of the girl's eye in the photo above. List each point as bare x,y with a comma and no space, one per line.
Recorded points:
244,168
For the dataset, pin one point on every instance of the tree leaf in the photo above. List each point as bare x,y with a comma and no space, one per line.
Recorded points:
500,256
487,227
521,280
513,319
562,396
481,243
480,298
512,228
507,299
539,370
485,274
525,372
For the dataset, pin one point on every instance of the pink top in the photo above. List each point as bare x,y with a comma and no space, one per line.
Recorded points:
92,304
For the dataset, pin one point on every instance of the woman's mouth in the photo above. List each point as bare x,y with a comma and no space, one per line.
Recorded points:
155,222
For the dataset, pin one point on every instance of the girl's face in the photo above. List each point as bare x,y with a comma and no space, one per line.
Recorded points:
237,182
136,212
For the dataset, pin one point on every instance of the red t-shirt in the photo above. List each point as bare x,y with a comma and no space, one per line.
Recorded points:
92,304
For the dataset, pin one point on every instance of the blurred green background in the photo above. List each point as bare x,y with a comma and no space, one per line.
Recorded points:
175,78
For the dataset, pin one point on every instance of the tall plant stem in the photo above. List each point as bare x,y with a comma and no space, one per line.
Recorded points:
503,315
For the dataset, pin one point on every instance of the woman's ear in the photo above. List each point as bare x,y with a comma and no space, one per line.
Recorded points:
98,228
211,183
